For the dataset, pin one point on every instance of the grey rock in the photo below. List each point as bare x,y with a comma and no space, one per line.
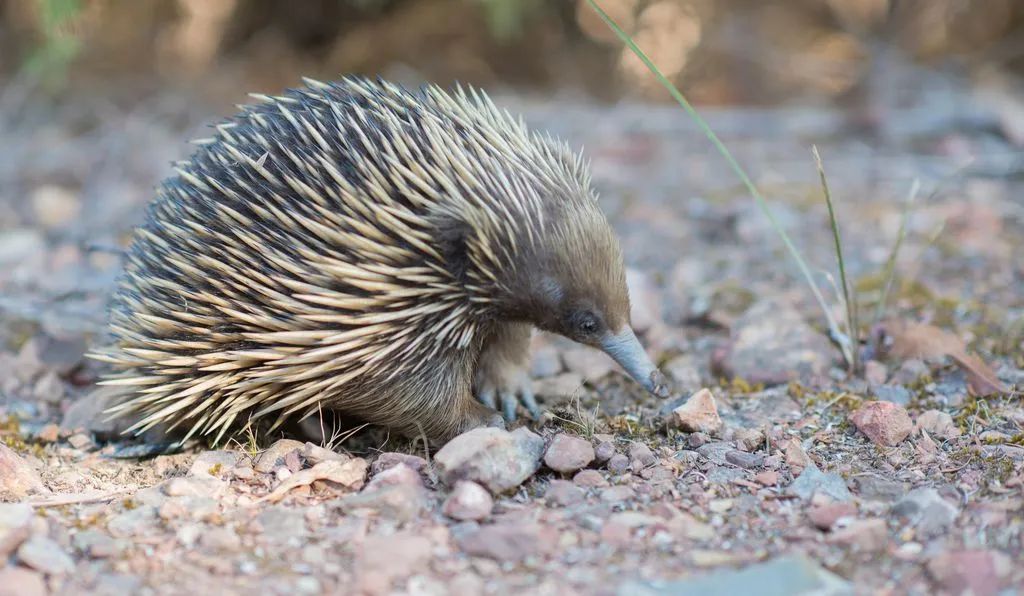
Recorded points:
45,555
744,459
604,451
618,464
724,474
498,459
87,413
60,354
927,511
715,452
875,488
897,394
784,576
814,481
567,453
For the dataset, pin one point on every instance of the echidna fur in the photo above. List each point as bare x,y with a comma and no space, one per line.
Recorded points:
352,246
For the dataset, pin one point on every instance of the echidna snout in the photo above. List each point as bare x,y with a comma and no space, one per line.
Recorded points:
360,247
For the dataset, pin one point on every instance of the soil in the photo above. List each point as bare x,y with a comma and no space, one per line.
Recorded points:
924,493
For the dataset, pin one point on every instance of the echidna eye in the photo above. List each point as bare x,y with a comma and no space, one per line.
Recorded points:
586,324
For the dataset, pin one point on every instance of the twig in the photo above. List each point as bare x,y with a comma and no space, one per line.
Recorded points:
77,498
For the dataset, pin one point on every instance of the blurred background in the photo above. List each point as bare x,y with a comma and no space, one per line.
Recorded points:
98,97
722,51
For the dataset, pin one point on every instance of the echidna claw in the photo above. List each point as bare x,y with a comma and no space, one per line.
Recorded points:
511,395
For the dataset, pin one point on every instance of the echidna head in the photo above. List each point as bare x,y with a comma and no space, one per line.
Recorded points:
574,284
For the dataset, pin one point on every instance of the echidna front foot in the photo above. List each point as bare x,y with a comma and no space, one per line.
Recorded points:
501,373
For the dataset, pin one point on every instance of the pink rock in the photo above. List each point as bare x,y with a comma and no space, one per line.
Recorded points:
866,535
978,572
563,493
387,557
590,479
698,414
796,458
567,453
767,478
468,501
824,517
509,542
885,423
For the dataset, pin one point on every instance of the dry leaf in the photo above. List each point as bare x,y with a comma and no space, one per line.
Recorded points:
350,474
927,342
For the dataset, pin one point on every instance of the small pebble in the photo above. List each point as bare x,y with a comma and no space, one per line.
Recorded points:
567,453
80,441
885,423
563,493
695,440
617,494
604,451
43,554
618,464
590,479
641,454
744,459
468,501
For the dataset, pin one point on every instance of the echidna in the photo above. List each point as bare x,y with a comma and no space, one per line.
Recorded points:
360,247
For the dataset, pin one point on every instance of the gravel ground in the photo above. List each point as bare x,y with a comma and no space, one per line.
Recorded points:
907,478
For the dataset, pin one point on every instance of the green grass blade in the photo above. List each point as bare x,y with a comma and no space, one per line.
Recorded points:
736,168
851,351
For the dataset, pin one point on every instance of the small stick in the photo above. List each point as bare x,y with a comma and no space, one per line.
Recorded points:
77,498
